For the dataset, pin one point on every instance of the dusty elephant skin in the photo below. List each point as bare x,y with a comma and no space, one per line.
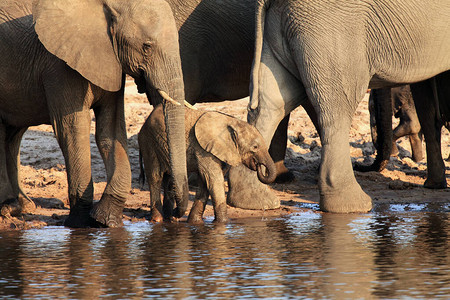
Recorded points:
213,140
329,53
73,62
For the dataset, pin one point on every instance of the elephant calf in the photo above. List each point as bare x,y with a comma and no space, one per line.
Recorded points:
213,140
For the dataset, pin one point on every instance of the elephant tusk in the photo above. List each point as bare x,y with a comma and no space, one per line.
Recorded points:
166,97
188,105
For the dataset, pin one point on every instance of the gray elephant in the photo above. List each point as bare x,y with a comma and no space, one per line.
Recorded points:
382,104
213,140
68,57
329,53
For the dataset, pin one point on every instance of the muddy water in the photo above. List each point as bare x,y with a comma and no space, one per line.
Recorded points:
394,252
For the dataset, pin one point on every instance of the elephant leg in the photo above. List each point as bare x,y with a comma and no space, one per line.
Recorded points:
335,97
380,107
110,136
278,145
198,208
431,127
169,198
155,199
416,147
405,129
13,139
69,99
72,132
211,173
339,191
8,200
277,151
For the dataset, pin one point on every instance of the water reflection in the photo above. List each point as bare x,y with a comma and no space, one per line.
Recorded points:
310,254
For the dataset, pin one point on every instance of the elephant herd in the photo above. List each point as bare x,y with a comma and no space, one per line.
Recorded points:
60,59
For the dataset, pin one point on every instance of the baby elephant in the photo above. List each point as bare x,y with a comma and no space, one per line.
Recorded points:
213,140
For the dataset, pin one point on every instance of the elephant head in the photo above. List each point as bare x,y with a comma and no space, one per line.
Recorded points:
234,141
102,39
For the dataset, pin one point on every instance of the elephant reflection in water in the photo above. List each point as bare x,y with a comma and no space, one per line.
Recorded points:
80,264
212,260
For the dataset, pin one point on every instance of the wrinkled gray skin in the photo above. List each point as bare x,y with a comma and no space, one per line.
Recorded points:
213,140
400,100
77,64
217,47
330,53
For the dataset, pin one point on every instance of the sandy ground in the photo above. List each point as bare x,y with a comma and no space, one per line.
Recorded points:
44,178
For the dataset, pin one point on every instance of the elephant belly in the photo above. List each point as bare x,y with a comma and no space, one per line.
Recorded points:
22,112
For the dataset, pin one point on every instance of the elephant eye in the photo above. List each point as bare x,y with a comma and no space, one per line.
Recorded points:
255,148
147,46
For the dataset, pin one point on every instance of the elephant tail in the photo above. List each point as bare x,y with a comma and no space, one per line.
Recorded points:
142,171
261,7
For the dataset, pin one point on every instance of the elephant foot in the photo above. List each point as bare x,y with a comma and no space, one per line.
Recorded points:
417,156
108,211
80,219
17,206
156,216
196,213
435,184
377,166
247,192
220,214
11,207
347,200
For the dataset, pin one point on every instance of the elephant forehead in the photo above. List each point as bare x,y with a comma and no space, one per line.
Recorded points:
151,16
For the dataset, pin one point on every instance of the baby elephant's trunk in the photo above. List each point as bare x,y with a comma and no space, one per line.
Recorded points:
266,170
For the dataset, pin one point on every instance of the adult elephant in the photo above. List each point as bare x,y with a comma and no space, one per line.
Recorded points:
71,59
329,53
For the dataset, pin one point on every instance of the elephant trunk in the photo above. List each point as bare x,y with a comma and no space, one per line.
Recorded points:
175,129
269,173
164,79
167,83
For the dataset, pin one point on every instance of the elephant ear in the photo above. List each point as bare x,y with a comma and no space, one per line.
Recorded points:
216,134
78,33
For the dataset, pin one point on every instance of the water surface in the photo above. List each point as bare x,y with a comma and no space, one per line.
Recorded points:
394,252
